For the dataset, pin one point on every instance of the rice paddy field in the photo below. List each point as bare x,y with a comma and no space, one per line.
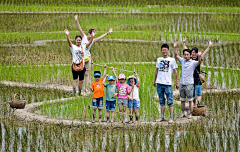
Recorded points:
34,49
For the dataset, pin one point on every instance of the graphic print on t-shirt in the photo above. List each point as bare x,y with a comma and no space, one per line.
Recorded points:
98,85
164,65
123,90
79,54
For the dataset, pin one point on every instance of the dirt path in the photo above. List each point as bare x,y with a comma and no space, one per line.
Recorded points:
133,13
28,115
43,42
44,86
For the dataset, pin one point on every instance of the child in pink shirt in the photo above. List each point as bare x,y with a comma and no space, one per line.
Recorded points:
124,89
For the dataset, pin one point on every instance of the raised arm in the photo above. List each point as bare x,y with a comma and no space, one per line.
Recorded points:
102,36
68,38
138,80
115,74
206,51
199,57
155,77
105,69
79,27
90,42
176,77
175,51
104,79
183,43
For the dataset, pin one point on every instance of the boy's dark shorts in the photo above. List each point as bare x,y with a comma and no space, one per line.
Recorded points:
97,103
110,105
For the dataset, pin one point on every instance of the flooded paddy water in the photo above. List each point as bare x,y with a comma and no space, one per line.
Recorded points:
135,38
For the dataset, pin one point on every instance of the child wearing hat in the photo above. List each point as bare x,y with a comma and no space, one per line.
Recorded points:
134,100
111,93
124,90
98,93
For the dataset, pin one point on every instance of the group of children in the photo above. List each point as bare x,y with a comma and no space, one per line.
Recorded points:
127,93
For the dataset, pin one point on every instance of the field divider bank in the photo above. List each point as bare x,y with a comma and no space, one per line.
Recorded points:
133,13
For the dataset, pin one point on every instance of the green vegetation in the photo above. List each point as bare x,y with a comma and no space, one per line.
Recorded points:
118,9
220,128
33,49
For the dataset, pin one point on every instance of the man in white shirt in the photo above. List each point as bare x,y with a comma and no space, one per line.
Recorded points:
163,81
187,82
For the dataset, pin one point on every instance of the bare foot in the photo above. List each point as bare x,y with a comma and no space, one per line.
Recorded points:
123,122
108,121
190,117
135,122
160,120
170,121
93,121
111,121
130,122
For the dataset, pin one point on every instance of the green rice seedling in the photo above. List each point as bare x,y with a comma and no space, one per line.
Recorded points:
162,139
226,76
1,130
233,78
237,71
212,78
220,78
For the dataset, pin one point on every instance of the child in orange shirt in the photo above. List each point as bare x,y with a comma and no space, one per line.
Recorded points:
98,93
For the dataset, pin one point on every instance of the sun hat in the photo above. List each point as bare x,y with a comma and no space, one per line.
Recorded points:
130,77
97,73
111,77
122,76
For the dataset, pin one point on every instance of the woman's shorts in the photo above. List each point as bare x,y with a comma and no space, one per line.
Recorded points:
78,74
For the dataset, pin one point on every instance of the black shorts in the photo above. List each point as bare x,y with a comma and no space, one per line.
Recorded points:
78,74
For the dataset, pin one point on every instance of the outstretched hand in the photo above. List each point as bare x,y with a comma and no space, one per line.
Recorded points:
76,17
184,40
200,53
105,66
107,75
110,30
115,94
66,31
175,44
210,43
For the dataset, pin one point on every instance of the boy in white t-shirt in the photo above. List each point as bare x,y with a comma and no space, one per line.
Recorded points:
134,100
163,81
